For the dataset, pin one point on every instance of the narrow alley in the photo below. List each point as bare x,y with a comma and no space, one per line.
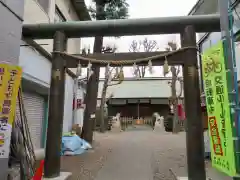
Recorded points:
139,153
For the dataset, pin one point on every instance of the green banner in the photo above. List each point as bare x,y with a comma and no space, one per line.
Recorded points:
217,101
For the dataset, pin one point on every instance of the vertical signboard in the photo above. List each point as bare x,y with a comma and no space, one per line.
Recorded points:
10,79
219,117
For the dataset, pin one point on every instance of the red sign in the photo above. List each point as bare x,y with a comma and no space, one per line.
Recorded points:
181,113
217,146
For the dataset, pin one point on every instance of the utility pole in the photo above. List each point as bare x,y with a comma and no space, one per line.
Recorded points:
56,108
10,35
194,135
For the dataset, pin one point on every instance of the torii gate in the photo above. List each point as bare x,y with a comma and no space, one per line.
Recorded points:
187,26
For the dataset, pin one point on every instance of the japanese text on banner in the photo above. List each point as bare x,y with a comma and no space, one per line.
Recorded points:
10,78
217,101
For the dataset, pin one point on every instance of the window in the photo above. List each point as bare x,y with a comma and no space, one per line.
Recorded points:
59,17
44,4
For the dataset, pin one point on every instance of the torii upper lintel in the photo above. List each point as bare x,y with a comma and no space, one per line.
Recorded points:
123,27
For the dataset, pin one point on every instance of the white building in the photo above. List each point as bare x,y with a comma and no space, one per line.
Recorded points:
35,59
139,97
206,40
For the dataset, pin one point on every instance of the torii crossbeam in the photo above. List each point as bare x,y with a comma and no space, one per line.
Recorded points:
124,27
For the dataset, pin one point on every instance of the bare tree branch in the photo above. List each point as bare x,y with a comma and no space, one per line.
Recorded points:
144,45
111,74
178,70
181,87
134,46
172,46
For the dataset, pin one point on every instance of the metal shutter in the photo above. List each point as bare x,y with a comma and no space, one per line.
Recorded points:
34,108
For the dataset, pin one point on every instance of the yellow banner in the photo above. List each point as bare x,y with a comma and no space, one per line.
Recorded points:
10,79
217,101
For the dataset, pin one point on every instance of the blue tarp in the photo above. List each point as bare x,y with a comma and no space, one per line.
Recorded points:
85,144
74,145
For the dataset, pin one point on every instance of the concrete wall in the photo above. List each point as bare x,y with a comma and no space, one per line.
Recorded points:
37,70
207,40
11,31
204,7
34,13
69,13
210,7
35,66
10,40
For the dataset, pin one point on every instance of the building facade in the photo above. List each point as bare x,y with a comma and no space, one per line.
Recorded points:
206,40
35,59
139,97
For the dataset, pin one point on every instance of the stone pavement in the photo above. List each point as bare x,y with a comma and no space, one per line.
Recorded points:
140,154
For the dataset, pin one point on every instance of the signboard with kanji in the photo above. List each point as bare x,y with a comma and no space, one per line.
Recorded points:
217,101
10,79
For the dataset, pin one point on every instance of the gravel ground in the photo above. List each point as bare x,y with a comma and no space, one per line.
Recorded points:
139,153
87,165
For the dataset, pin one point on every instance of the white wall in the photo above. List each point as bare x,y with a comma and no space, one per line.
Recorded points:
35,66
211,40
68,104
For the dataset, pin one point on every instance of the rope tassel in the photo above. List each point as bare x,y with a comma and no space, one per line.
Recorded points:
150,67
89,67
79,69
121,75
165,67
135,70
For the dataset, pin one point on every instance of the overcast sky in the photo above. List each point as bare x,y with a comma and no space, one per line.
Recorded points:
146,9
